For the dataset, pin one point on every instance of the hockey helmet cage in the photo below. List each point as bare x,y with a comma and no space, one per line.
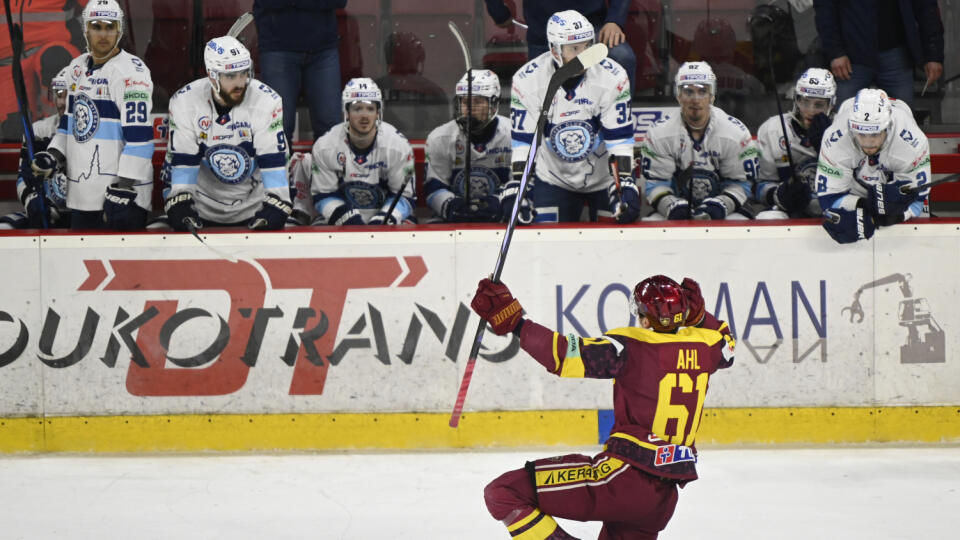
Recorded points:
361,89
486,84
871,111
817,83
565,28
695,73
661,300
103,10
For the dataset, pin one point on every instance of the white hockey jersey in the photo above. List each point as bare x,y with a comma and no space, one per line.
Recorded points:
583,126
445,158
228,161
56,185
775,164
723,162
845,173
106,133
366,181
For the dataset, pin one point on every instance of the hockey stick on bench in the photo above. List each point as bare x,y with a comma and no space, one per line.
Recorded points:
907,190
582,62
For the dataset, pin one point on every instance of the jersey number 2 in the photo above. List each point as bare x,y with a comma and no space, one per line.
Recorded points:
667,410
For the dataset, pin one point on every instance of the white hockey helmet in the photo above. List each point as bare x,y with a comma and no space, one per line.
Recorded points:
486,84
226,55
565,28
817,83
695,73
871,112
103,10
59,81
361,89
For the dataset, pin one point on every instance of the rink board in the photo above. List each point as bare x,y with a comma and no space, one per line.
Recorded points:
375,323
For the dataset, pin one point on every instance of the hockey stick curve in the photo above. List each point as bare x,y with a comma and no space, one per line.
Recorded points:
582,62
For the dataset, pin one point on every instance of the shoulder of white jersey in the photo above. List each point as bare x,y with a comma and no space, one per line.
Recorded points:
390,133
192,91
332,137
533,66
130,64
727,126
908,143
665,126
259,92
443,133
46,127
772,125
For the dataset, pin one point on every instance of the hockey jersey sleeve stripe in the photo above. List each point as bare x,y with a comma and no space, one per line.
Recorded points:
521,139
140,150
136,134
619,135
272,161
274,178
184,176
572,361
185,160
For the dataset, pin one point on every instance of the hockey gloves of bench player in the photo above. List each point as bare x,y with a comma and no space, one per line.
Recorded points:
625,199
673,208
494,303
818,126
483,210
341,215
44,164
181,212
792,197
509,191
32,204
272,216
888,204
848,226
711,208
120,209
691,291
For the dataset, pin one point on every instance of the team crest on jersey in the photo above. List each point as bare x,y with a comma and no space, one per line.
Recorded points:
204,123
86,118
483,182
230,164
702,183
572,141
807,173
57,189
363,196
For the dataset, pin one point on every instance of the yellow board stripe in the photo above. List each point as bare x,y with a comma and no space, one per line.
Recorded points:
505,429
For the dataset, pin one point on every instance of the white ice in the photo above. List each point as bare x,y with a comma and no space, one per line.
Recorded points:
769,493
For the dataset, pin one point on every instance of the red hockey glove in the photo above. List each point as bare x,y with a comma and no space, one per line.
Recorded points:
494,303
691,291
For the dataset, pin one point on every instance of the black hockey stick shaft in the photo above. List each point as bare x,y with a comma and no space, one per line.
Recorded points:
583,61
467,165
907,190
783,123
23,102
396,199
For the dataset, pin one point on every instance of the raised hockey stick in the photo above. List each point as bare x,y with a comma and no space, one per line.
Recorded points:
403,187
240,24
467,169
907,190
23,102
582,62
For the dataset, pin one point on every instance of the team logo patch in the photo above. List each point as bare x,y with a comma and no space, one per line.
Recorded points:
703,183
341,158
363,196
674,453
230,164
86,118
572,141
204,123
807,173
483,182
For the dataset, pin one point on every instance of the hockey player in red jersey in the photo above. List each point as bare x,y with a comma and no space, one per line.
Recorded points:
661,369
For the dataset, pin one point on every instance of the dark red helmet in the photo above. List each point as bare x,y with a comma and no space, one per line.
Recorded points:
661,300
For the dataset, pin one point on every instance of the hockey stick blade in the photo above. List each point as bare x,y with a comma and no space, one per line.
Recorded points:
193,230
239,25
906,190
463,44
585,60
